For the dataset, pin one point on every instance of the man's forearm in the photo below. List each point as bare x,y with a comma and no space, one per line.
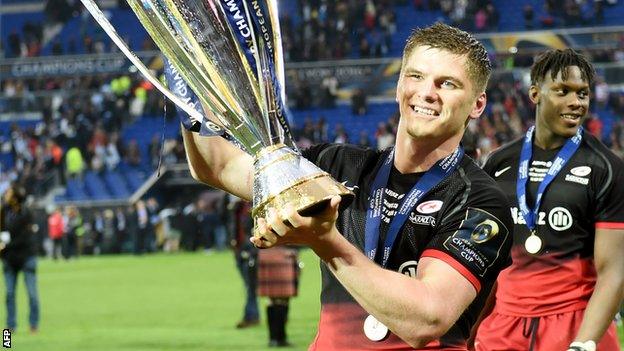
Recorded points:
218,163
408,307
601,309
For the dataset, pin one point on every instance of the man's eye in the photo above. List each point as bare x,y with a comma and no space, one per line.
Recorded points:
448,84
562,92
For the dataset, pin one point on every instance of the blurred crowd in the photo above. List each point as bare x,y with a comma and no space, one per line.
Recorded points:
319,30
81,131
146,227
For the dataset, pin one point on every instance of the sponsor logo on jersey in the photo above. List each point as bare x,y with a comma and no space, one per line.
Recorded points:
428,207
409,268
575,179
352,188
559,219
422,220
501,171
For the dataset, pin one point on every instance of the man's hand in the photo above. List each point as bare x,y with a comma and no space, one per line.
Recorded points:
289,227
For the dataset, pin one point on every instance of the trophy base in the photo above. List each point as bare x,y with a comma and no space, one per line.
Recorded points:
283,177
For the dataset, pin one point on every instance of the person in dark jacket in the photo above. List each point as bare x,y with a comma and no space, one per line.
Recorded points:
18,252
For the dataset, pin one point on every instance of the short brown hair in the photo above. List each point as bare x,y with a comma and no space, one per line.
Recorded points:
555,61
458,42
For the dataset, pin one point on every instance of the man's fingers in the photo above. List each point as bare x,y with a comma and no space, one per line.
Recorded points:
260,243
263,231
276,223
331,211
293,217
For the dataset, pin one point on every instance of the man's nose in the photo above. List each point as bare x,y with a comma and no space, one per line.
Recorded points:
428,91
576,102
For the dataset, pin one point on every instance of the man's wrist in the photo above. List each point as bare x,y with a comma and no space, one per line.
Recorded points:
588,345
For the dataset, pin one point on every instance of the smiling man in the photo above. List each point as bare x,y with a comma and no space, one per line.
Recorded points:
567,277
409,263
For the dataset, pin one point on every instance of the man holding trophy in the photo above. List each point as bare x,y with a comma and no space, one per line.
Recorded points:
427,284
413,245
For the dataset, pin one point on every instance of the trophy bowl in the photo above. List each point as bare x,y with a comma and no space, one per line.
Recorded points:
228,54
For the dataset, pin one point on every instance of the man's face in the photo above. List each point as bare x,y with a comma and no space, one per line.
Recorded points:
561,105
436,95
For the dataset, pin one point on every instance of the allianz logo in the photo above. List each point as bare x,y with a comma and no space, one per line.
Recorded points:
559,218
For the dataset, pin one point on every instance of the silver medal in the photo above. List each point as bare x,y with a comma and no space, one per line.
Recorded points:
374,329
533,243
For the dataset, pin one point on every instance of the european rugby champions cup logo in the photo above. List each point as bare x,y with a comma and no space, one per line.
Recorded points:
229,53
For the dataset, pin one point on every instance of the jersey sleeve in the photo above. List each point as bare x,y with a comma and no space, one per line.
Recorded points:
343,162
316,152
610,207
475,237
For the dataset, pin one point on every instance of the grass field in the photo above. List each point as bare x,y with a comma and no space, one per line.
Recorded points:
160,302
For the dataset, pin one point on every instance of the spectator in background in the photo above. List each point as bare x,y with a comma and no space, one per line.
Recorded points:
601,92
18,252
74,163
143,228
364,139
120,230
246,255
384,136
112,157
56,231
329,91
278,279
74,232
133,154
359,103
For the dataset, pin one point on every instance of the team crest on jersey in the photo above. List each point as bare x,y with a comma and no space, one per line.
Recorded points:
429,207
577,175
478,240
581,171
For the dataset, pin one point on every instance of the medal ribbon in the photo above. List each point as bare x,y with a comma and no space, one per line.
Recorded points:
442,169
563,156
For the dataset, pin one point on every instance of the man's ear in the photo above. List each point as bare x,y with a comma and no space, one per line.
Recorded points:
534,93
479,106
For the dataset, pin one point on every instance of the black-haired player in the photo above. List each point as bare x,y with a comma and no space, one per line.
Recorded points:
566,188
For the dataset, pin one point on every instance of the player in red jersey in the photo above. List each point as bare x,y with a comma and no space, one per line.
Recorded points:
566,281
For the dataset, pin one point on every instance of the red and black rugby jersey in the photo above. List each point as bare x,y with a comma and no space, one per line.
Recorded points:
587,193
447,224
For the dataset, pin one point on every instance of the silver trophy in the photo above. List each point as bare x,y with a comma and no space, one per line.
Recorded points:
229,52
